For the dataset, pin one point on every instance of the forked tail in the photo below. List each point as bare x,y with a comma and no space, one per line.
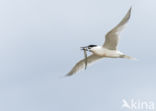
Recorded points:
128,57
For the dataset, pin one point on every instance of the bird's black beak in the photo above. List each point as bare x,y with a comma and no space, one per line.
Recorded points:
84,48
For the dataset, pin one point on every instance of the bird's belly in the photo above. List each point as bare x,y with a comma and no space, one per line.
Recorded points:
108,53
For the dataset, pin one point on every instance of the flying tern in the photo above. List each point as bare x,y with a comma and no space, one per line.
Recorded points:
108,49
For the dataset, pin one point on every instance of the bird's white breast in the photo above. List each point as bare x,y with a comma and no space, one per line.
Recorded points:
106,52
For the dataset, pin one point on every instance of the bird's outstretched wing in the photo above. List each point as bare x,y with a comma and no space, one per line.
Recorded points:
81,64
112,37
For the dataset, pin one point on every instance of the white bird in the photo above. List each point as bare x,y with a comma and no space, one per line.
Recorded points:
109,48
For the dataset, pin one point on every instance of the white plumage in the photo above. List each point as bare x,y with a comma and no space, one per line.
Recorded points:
109,48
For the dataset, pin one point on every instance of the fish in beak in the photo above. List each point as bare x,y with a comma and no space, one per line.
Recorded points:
85,49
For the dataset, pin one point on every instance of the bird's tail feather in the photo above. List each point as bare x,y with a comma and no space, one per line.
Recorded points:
128,57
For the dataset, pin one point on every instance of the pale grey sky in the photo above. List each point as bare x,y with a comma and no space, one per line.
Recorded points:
40,42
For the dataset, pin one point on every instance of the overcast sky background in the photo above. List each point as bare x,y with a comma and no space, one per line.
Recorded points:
40,42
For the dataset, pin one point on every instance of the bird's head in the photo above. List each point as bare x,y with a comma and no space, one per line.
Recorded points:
89,47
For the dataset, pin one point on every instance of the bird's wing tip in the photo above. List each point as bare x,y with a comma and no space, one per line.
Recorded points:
130,9
64,76
68,74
